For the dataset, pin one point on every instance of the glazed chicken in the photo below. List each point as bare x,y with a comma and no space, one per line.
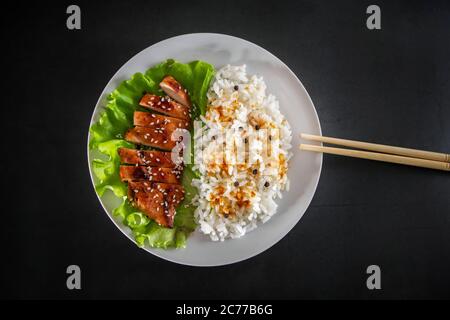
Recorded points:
165,105
156,121
174,90
156,138
149,158
153,176
157,200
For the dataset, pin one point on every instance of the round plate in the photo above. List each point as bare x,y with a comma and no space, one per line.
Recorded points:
295,104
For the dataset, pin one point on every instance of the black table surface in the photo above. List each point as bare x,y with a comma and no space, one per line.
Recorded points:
387,86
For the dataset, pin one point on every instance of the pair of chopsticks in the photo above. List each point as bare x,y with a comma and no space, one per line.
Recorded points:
410,157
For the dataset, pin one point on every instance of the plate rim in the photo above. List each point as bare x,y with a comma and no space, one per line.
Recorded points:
154,251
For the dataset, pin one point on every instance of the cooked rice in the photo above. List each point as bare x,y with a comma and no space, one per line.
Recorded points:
238,189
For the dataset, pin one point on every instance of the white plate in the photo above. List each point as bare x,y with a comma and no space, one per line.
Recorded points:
295,104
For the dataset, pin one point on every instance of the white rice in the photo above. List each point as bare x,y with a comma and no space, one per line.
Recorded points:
237,190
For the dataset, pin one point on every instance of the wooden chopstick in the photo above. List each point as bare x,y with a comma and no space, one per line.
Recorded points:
431,164
414,153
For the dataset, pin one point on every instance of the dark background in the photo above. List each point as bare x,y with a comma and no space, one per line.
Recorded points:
388,86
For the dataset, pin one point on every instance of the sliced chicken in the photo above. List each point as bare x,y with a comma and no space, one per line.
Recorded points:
149,158
156,121
160,138
165,105
157,200
174,90
154,174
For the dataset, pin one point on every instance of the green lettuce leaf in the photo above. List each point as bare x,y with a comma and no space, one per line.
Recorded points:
107,137
185,211
146,230
107,170
118,114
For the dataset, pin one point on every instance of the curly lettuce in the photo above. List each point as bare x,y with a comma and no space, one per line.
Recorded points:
107,137
107,170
